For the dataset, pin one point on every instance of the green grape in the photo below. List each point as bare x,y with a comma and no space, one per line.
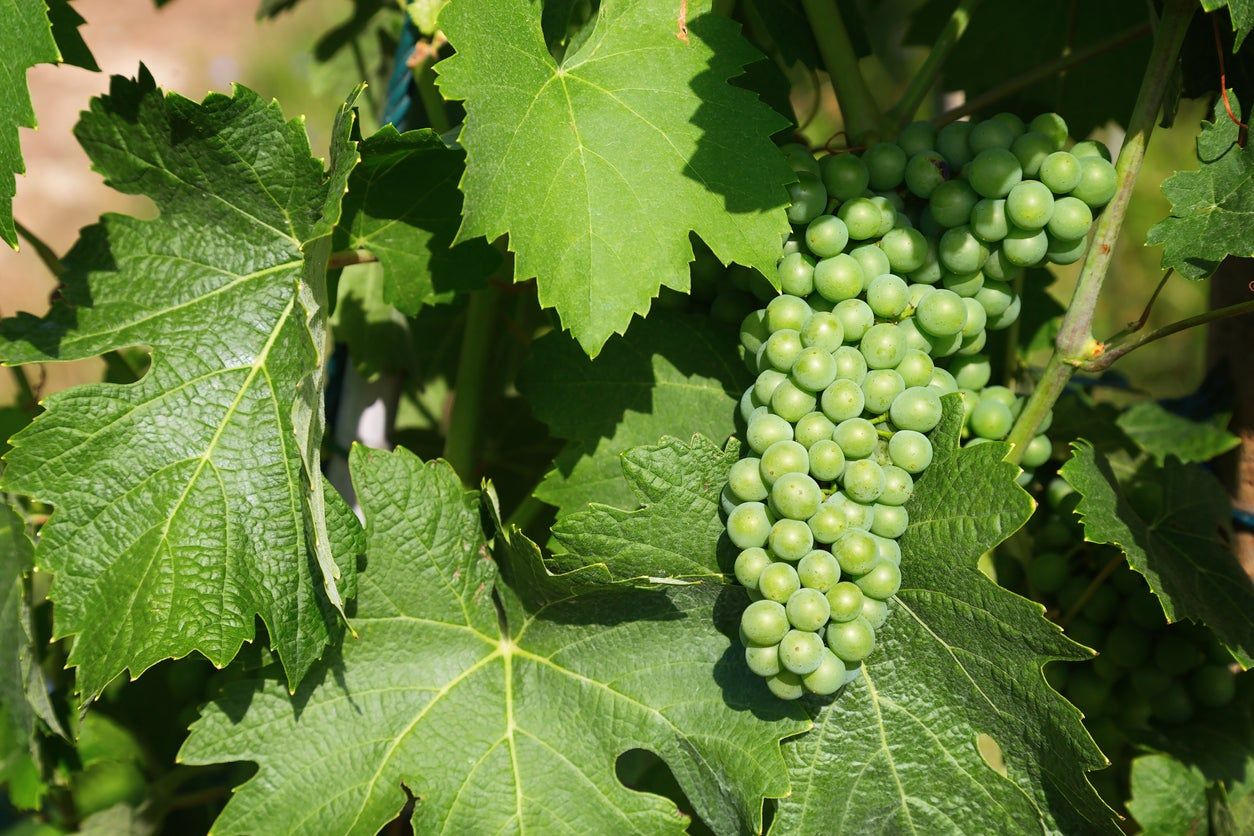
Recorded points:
855,316
1175,654
855,551
749,404
857,515
1007,317
785,685
792,244
1071,219
853,640
811,429
881,582
764,623
839,278
925,171
995,297
1090,148
991,133
915,339
765,430
880,388
818,570
890,521
749,525
996,267
787,313
1053,126
917,137
781,349
882,345
951,203
906,249
814,369
863,481
827,460
842,400
861,218
1031,149
991,420
777,583
994,172
850,364
1060,172
915,368
799,157
930,271
844,175
801,651
826,236
827,524
795,496
828,677
791,402
1025,247
749,566
951,142
823,330
1172,705
941,313
1037,452
782,457
988,220
917,292
971,372
807,609
808,198
753,330
1213,686
746,482
943,382
1061,251
1030,205
917,408
790,540
796,274
1149,681
898,486
909,450
845,601
960,251
764,661
874,611
886,163
872,260
765,384
1000,394
857,438
1127,646
974,327
887,296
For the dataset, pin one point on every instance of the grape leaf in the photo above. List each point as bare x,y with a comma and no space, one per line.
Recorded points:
190,501
1212,209
1178,550
1168,797
671,374
598,176
403,205
537,701
65,21
959,658
1162,433
25,40
1241,14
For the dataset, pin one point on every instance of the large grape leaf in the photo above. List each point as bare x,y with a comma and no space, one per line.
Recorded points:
1162,433
1241,14
1178,549
191,501
403,205
959,660
599,166
1212,209
1167,797
65,21
671,374
496,720
25,40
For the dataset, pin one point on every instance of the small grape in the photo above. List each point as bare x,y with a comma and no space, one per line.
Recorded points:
745,481
764,661
917,408
749,566
777,583
1007,316
1000,394
855,551
887,296
844,175
827,524
766,383
787,313
807,609
988,220
842,400
749,525
1071,219
749,404
795,496
799,157
796,274
1025,247
781,349
1031,149
917,137
874,611
857,438
783,457
1175,655
766,430
882,345
823,330
790,540
1172,705
994,172
991,133
898,486
1062,251
855,316
857,515
1030,205
881,582
952,201
863,481
960,251
818,570
886,163
845,601
828,677
814,369
995,297
941,313
1127,646
838,278
811,429
943,382
1053,126
872,260
973,330
951,142
850,364
991,420
924,172
880,389
1213,686
764,623
790,402
930,271
890,521
909,450
827,460
1060,172
826,236
1037,452
915,368
753,330
801,651
1091,148
785,685
852,640
861,218
808,198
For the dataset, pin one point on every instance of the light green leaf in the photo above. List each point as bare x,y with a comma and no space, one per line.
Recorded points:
1212,209
958,659
190,502
1161,433
1177,547
424,13
506,721
1168,797
25,40
1241,13
671,374
598,167
403,205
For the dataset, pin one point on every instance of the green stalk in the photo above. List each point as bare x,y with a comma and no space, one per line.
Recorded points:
925,79
1121,346
432,101
461,442
862,117
1075,344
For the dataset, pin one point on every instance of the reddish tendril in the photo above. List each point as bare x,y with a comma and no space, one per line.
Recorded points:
1223,83
849,149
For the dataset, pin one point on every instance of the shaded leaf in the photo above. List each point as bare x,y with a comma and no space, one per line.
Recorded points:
1168,797
65,21
1241,14
1162,433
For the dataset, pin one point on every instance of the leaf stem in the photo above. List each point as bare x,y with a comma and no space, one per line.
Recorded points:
1075,343
46,254
925,79
461,441
1105,572
1139,323
1119,347
861,115
345,258
1041,72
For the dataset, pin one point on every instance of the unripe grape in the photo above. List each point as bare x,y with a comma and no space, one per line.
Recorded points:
791,402
807,609
839,278
880,388
1052,126
1030,205
844,601
749,525
844,175
820,571
991,133
887,296
925,171
1031,149
785,685
915,368
852,640
814,369
764,661
842,400
764,623
886,164
745,481
827,460
826,236
783,457
811,429
881,582
796,274
781,349
795,496
861,218
951,142
828,677
808,198
790,540
872,260
994,172
1060,171
749,565
777,583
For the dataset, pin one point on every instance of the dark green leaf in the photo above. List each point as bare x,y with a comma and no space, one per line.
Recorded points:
65,21
1241,14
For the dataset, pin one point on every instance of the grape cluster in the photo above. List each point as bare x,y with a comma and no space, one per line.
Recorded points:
901,262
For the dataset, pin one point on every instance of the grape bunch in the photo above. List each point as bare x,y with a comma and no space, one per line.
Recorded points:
901,261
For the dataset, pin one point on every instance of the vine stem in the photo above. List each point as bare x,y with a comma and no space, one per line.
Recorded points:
862,116
1075,343
1043,71
345,258
1117,348
461,440
903,112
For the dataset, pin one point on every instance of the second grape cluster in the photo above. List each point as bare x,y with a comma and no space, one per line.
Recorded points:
902,259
